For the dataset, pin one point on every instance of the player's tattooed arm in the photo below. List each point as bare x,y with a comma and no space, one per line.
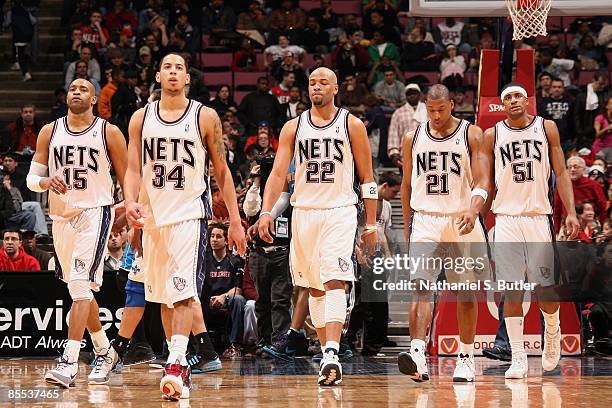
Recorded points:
117,150
406,190
564,184
218,139
210,124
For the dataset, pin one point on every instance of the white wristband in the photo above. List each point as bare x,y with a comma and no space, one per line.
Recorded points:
369,190
480,192
261,214
37,171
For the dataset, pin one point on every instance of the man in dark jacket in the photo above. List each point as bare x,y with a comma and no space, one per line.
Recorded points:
260,106
560,109
29,245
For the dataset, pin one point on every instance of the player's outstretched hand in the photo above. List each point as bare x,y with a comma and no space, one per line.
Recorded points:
55,184
572,227
369,239
266,228
466,221
134,214
235,236
252,231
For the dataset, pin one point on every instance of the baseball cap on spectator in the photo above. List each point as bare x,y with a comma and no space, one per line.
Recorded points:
264,123
597,171
413,88
449,46
144,50
26,234
180,12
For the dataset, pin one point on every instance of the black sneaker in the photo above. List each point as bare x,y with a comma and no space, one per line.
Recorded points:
604,347
497,353
259,352
138,354
283,348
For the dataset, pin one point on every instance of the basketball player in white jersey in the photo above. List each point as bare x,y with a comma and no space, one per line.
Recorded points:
526,149
328,144
77,151
444,188
171,143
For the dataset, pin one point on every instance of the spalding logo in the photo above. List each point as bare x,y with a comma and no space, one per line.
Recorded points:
493,107
449,345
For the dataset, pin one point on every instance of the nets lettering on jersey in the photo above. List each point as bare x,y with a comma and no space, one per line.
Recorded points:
528,17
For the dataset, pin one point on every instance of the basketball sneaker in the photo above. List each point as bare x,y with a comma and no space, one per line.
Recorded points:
413,365
186,377
519,366
64,374
176,378
330,370
138,353
283,348
103,365
552,350
199,364
464,370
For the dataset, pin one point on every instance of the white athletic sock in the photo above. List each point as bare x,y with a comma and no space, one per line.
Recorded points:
168,343
332,345
178,349
73,347
514,327
100,341
552,321
466,349
417,346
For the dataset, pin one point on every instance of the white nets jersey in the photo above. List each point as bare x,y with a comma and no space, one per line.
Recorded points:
522,169
175,166
441,174
325,173
83,161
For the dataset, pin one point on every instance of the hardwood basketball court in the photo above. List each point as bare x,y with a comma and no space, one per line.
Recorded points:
368,382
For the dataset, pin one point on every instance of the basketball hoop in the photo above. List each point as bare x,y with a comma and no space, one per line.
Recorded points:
528,17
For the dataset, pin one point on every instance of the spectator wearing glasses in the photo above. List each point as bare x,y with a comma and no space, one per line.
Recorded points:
12,256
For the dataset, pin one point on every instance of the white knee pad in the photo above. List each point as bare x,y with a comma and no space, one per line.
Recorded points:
316,306
80,290
335,306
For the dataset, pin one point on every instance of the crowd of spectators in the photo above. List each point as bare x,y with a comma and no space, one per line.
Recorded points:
384,60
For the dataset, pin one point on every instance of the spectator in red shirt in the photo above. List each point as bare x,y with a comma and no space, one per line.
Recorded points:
24,131
584,188
281,91
94,33
117,19
13,257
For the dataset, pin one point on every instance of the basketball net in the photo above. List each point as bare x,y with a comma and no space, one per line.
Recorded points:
528,17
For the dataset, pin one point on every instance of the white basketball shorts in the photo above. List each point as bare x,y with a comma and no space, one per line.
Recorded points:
174,260
80,244
436,245
322,245
524,247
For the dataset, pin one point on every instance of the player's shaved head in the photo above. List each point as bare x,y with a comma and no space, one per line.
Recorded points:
326,73
81,96
82,81
438,92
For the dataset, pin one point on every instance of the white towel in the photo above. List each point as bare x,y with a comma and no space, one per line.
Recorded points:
592,103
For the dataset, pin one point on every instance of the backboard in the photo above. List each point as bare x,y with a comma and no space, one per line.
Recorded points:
497,8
